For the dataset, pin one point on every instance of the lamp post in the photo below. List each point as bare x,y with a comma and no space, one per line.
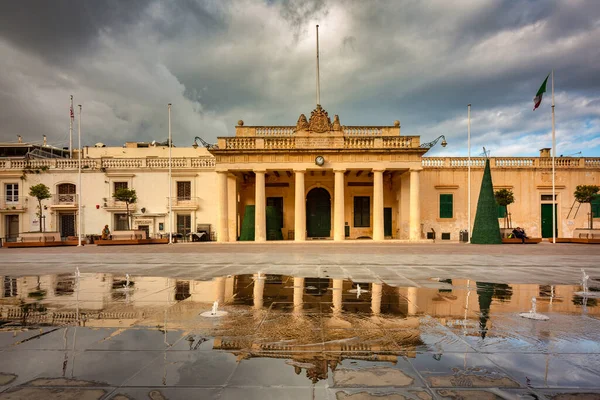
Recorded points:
433,142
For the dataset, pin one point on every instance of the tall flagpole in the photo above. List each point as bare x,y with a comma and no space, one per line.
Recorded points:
469,171
170,184
318,82
80,216
71,116
553,168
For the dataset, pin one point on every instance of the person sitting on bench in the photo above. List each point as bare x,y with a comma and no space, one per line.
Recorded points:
519,233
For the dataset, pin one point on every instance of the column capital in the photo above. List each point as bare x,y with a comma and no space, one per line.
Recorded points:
378,169
342,170
259,170
221,170
417,169
302,170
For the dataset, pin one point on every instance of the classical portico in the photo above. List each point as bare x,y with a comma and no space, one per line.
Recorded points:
326,180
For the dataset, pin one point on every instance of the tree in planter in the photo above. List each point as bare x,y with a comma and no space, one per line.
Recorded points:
129,197
586,194
40,192
504,197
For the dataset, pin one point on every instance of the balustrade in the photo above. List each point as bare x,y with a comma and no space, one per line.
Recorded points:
280,143
240,143
397,142
275,130
362,131
359,142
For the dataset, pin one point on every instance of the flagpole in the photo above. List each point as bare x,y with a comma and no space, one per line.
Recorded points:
318,82
71,116
553,168
79,178
170,184
469,172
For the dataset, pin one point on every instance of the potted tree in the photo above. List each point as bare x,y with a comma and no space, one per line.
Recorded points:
505,197
40,192
586,194
128,196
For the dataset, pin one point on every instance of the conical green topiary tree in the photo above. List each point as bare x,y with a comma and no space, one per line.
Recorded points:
486,229
247,233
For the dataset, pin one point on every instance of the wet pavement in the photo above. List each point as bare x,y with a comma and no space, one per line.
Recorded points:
258,335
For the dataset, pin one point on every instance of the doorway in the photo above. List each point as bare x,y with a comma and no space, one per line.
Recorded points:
12,227
318,213
546,214
67,224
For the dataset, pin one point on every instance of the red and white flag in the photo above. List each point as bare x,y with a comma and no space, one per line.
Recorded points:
72,113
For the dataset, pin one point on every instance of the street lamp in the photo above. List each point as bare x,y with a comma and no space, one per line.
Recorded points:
204,143
432,143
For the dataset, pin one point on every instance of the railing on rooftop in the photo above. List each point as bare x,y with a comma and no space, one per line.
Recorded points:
278,131
207,162
511,162
295,142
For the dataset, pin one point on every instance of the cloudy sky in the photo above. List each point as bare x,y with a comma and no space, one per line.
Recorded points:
420,62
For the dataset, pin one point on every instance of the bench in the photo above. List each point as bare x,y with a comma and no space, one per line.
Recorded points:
519,241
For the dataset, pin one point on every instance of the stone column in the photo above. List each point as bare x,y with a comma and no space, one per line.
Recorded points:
232,207
300,208
378,233
223,227
298,295
376,292
338,286
259,290
219,289
413,308
338,216
415,206
260,223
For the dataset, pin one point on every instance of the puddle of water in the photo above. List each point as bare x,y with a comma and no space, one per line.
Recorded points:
316,324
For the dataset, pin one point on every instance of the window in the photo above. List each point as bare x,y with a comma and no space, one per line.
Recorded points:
11,191
121,222
66,193
184,190
445,206
120,185
596,207
501,211
277,202
362,211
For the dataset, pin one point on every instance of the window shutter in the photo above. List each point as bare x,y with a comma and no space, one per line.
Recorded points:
445,206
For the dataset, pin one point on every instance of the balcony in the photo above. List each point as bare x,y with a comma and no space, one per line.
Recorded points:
64,201
184,203
18,206
111,204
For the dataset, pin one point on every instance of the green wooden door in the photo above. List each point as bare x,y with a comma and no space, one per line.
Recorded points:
318,213
387,221
547,220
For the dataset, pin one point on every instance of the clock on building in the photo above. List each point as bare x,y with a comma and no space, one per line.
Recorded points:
320,160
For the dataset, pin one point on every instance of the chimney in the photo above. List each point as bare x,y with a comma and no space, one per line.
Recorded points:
20,138
545,153
45,141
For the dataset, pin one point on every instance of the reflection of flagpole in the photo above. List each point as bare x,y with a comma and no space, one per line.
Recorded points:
170,188
469,172
80,217
553,168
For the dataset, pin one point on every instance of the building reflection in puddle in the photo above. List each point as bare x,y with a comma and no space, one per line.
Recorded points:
314,323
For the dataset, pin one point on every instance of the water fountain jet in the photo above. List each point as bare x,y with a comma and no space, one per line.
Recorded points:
586,290
214,312
533,314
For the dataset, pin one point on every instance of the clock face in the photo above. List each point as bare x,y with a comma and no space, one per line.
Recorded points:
319,160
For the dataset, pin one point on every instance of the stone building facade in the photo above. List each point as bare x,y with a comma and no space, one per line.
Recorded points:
326,180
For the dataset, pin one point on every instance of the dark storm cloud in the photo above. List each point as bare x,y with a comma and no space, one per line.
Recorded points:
60,29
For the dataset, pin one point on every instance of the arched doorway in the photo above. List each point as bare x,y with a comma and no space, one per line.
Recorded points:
318,213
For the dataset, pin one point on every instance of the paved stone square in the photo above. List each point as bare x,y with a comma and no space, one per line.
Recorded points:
358,320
